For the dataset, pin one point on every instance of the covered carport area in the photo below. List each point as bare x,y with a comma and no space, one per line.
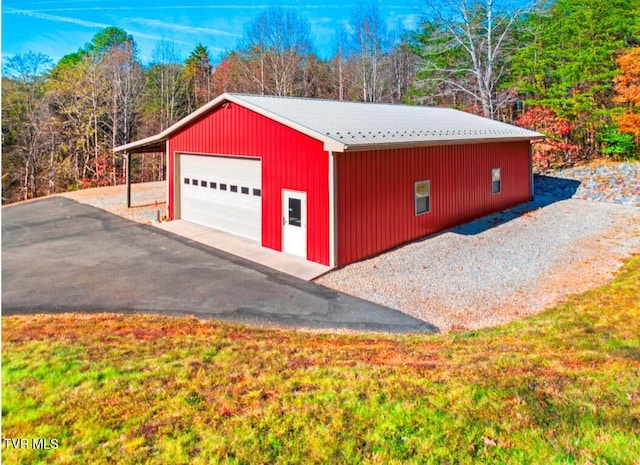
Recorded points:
150,145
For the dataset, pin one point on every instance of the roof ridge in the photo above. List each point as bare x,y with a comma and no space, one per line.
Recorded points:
328,100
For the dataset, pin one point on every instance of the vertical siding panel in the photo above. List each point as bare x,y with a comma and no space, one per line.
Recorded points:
373,232
399,174
365,243
387,211
344,226
375,236
367,202
352,185
360,238
347,202
415,170
361,214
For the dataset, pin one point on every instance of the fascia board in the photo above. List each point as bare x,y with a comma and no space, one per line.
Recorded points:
433,143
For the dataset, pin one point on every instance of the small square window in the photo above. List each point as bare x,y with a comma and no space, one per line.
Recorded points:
213,185
203,183
187,180
244,190
422,193
257,192
496,181
234,188
223,187
194,182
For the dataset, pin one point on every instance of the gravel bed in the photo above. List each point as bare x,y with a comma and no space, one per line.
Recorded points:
499,268
610,182
148,200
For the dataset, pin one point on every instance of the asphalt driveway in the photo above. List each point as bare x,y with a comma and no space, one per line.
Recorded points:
62,256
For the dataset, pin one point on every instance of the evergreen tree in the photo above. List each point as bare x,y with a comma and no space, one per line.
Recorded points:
569,62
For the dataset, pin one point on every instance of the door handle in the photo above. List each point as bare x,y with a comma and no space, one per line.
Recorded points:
284,221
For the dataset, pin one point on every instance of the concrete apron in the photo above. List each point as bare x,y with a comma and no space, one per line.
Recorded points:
246,248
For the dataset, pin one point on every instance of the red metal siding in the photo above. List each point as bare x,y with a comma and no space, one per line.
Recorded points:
375,192
290,160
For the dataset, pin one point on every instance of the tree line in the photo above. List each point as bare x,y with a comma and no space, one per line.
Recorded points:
569,69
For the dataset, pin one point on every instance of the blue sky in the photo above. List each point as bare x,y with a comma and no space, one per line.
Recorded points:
59,27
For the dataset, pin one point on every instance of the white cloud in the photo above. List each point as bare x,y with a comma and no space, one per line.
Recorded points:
180,28
59,19
76,21
410,22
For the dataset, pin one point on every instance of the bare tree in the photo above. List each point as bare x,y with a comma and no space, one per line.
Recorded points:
274,51
316,78
401,72
369,44
95,99
125,79
465,51
164,101
166,86
25,120
338,62
79,99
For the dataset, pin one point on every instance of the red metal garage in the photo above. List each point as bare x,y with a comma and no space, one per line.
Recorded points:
335,182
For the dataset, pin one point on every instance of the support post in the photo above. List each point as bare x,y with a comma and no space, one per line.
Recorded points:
333,219
127,158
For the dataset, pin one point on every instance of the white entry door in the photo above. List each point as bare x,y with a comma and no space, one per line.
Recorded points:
294,223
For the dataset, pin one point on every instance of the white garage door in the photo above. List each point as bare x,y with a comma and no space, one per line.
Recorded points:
223,193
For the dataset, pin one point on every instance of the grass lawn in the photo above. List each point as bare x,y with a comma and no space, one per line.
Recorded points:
563,387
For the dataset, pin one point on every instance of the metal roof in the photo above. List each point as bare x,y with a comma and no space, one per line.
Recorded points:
348,126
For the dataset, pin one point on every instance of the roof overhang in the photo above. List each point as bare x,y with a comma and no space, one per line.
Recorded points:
431,143
153,144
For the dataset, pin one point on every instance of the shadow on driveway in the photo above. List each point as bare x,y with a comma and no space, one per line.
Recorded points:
62,256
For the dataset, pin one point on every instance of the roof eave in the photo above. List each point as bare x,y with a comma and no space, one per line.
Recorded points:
136,146
433,143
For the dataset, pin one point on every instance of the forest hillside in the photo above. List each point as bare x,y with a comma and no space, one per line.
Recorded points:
567,68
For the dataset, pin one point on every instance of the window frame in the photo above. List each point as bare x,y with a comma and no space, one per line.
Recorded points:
417,196
494,181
